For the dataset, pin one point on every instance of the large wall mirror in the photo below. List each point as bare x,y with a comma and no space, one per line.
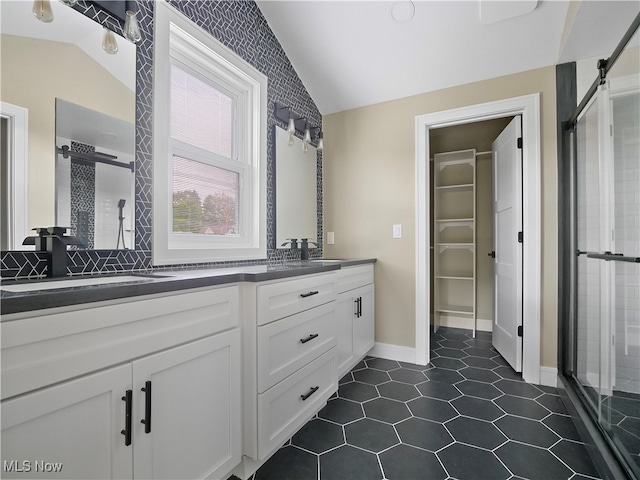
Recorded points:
61,92
296,190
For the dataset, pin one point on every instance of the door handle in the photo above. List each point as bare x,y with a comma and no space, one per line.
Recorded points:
492,254
128,398
147,407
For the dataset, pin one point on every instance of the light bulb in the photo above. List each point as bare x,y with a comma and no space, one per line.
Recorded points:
291,129
320,143
131,28
306,140
42,11
109,43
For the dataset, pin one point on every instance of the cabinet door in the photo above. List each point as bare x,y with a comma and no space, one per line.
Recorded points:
363,321
195,422
345,312
71,430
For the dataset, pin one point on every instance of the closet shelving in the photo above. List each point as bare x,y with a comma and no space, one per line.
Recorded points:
455,236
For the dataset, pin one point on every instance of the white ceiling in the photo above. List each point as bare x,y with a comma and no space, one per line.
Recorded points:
350,54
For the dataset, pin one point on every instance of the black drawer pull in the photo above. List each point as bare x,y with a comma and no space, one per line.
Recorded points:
309,338
305,295
128,398
309,393
147,407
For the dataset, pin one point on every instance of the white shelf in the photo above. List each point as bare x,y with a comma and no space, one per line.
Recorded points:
454,220
455,277
459,309
455,188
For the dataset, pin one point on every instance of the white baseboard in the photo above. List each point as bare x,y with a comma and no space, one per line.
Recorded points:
549,376
393,352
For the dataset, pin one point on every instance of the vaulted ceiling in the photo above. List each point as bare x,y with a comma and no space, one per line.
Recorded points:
354,53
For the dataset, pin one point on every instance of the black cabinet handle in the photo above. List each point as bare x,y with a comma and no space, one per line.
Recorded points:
147,407
128,398
358,307
311,391
309,338
492,254
305,295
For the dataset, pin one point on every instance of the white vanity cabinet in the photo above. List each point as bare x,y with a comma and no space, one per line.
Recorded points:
143,389
289,359
354,315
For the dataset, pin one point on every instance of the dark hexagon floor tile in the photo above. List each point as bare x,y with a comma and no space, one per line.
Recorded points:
475,432
371,376
404,462
341,411
346,379
478,389
553,403
480,362
532,462
631,425
480,352
500,360
563,426
438,390
318,436
451,333
412,366
549,390
443,375
469,463
450,363
453,344
359,392
390,411
360,366
508,373
382,364
478,342
371,435
479,374
407,376
519,389
451,353
289,463
398,391
349,463
432,409
477,408
527,431
522,407
421,433
576,456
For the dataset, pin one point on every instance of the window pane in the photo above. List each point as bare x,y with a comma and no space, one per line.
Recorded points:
201,114
205,198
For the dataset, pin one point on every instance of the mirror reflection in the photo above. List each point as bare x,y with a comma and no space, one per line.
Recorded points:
42,62
296,190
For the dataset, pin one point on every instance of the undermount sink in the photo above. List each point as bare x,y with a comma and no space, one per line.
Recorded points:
35,286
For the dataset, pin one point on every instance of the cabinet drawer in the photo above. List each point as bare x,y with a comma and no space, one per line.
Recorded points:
288,344
281,299
46,349
353,277
286,407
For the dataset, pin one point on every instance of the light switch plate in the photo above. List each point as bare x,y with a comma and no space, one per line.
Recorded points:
397,231
330,238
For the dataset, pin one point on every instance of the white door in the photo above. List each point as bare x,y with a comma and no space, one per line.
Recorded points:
193,418
507,225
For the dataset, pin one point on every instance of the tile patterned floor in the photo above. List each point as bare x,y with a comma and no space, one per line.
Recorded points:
467,415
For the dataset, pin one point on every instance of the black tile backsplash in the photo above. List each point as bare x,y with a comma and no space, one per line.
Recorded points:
241,27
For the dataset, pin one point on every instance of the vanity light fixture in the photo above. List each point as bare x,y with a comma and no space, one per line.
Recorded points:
109,43
131,28
297,124
42,10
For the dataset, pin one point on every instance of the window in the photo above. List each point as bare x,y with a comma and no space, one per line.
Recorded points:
209,170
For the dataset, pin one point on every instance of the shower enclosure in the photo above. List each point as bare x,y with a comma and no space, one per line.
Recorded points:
600,321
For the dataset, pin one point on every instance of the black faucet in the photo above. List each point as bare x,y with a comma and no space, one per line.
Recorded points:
304,248
293,242
53,241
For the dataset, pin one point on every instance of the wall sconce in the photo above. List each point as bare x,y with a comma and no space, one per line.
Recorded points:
299,124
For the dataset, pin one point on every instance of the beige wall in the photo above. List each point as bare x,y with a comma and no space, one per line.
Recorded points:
369,185
33,73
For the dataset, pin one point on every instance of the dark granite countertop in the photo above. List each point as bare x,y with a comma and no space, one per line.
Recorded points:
153,282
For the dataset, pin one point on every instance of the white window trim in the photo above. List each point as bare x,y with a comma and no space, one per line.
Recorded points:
190,41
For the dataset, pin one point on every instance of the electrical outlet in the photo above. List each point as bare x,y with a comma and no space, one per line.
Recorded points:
397,231
330,238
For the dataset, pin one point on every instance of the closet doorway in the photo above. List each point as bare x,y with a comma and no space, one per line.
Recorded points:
528,107
476,211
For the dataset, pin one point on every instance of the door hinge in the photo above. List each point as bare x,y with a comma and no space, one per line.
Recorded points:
520,237
519,142
520,330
